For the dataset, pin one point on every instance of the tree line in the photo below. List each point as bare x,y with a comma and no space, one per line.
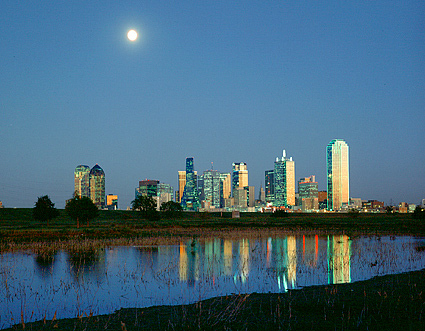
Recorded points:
83,209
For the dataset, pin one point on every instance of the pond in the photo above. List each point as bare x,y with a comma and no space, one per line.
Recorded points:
103,280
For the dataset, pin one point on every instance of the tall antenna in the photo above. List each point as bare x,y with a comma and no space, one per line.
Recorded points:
212,165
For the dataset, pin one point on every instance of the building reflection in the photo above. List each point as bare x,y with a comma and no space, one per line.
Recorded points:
189,262
243,259
338,258
284,255
310,250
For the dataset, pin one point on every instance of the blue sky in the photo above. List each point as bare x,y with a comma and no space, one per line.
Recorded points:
220,81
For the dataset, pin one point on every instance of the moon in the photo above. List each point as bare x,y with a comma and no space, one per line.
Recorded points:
132,35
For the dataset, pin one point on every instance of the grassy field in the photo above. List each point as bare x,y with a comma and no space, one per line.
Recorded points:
18,230
392,302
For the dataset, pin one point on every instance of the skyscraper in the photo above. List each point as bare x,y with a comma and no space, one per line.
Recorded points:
269,186
82,181
182,184
97,186
239,176
225,188
211,187
190,200
147,187
308,193
338,174
284,182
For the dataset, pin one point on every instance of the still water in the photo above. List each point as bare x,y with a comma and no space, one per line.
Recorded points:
108,279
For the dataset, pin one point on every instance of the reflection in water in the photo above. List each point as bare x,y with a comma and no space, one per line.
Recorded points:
44,263
339,250
88,263
103,280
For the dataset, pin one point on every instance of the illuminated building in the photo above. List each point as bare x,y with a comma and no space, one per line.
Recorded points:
262,195
250,196
240,196
97,186
269,186
239,176
82,181
190,200
337,174
211,187
182,184
308,193
112,201
225,188
284,182
161,192
147,187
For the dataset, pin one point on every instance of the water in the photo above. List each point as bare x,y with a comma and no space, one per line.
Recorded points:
107,279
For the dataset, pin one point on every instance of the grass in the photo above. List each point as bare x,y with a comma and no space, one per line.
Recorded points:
392,302
19,231
18,228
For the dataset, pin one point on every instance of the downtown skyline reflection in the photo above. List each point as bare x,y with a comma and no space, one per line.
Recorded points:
103,280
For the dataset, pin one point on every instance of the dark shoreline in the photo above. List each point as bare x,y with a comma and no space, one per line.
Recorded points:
390,302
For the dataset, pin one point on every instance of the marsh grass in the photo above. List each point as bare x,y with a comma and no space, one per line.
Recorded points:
392,302
18,230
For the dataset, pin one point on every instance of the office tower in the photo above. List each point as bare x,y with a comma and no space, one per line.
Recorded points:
240,196
165,193
97,186
211,187
269,180
239,176
308,193
250,196
262,195
284,182
112,202
147,187
82,181
182,184
200,187
225,188
338,174
190,200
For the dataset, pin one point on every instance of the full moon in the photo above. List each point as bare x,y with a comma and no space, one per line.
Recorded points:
132,35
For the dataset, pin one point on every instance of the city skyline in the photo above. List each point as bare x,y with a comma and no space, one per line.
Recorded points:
222,82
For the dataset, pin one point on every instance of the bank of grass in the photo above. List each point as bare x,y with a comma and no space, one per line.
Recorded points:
391,302
18,230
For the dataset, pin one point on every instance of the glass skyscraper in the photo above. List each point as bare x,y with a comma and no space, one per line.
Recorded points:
82,181
337,174
239,176
284,182
269,191
97,186
211,187
190,199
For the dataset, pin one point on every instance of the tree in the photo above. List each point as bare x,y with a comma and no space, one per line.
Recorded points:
146,205
389,209
44,209
81,208
171,208
419,213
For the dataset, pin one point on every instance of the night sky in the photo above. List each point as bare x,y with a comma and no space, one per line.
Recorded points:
220,81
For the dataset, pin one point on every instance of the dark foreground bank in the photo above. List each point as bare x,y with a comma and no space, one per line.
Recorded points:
391,302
